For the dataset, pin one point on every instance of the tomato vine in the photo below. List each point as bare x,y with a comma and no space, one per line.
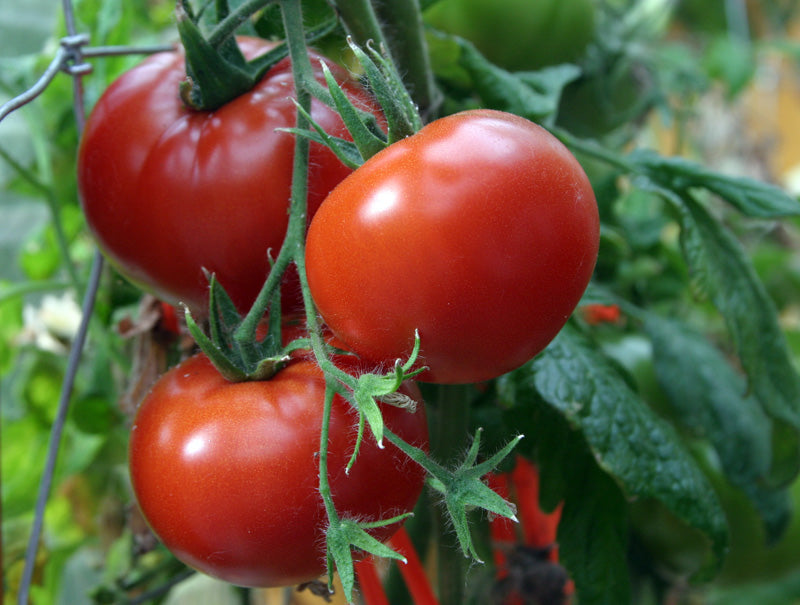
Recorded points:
713,389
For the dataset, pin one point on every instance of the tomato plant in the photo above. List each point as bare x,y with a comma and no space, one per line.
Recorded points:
226,474
519,34
170,192
481,232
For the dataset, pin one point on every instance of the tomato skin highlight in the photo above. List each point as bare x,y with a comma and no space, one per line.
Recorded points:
168,191
481,231
226,474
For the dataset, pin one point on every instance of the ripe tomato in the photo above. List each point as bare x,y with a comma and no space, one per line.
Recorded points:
226,474
519,34
481,231
168,191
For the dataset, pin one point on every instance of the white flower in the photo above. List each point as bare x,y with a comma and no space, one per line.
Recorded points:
52,324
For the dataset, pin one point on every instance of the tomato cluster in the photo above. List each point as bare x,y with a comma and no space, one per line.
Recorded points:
478,235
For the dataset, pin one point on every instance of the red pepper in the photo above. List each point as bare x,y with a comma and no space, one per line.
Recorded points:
531,547
413,572
370,583
598,314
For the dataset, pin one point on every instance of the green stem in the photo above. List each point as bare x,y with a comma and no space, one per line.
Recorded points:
293,247
294,243
228,26
306,85
32,287
592,149
405,34
449,429
360,20
324,485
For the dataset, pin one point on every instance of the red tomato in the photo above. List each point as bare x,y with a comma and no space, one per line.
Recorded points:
481,231
168,191
226,474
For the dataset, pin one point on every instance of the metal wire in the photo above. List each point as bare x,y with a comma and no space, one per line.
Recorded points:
58,428
69,58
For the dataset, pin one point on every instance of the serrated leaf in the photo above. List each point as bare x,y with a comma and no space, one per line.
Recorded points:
717,260
593,529
711,399
750,196
592,538
640,450
534,95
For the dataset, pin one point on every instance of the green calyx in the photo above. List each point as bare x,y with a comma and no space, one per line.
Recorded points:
216,70
213,76
401,114
236,352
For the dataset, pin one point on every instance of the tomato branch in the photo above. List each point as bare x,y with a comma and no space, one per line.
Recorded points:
228,26
360,20
405,35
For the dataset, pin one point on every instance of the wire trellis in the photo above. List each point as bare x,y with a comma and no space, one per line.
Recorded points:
70,59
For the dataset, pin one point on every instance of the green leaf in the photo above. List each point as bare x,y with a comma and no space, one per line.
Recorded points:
223,316
711,399
731,59
371,387
221,357
24,448
592,537
345,150
463,488
750,196
718,262
534,95
638,449
773,591
593,528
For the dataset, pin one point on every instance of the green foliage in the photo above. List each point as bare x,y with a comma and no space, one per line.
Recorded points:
683,414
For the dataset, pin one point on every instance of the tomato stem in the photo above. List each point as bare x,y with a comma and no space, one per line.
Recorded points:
228,26
361,21
405,34
449,430
324,484
592,149
293,246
